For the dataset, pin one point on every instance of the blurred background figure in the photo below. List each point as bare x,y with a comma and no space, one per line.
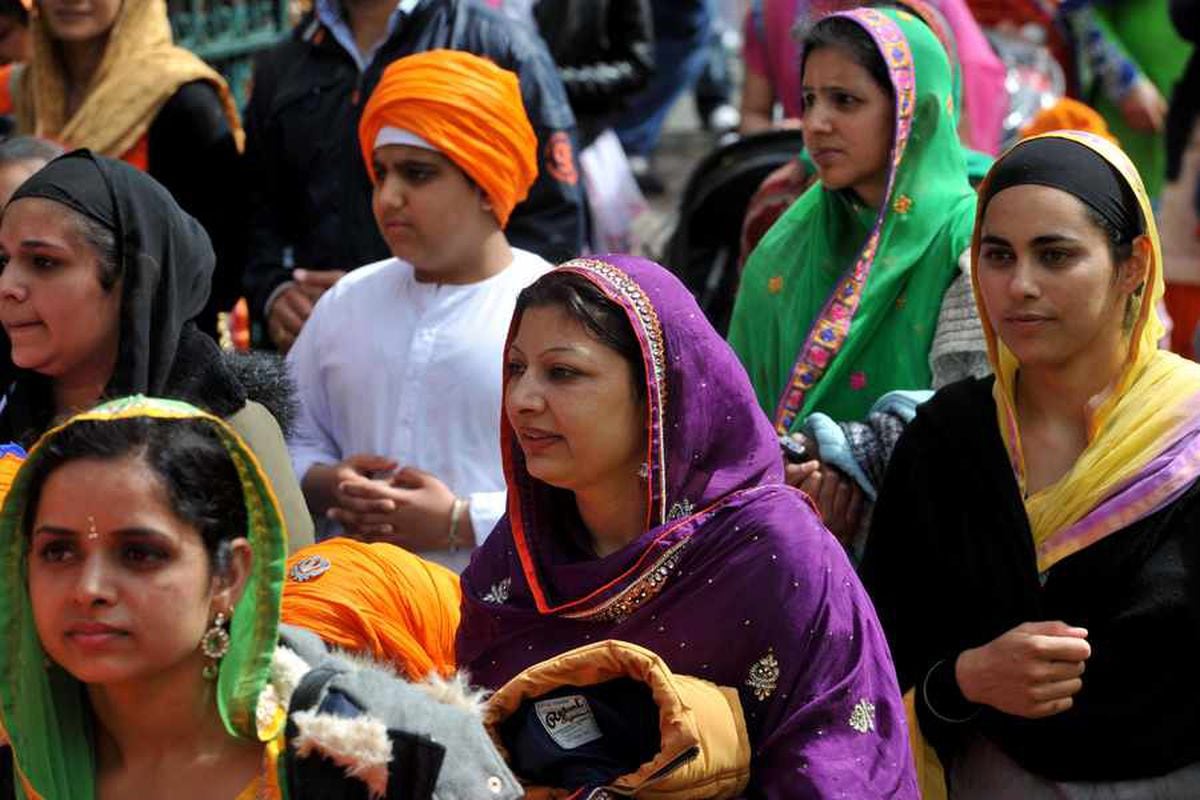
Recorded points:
107,76
681,33
15,44
604,50
20,157
1180,212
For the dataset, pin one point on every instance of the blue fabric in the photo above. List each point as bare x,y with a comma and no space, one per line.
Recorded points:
678,65
834,447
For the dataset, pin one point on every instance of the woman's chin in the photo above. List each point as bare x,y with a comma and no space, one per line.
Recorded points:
548,471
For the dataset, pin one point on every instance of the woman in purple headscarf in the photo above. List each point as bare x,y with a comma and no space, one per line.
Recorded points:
646,503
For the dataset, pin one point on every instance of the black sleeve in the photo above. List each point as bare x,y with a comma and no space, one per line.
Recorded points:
900,572
193,153
626,65
1185,14
271,205
550,222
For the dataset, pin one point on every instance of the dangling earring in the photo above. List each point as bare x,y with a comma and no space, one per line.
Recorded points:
214,645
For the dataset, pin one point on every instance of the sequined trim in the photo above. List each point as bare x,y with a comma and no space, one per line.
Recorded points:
498,594
633,597
641,305
683,508
309,568
635,298
862,719
764,676
832,325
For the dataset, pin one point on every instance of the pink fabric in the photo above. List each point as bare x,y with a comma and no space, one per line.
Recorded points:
771,51
984,94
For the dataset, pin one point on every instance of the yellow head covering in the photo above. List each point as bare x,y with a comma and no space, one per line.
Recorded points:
467,108
376,599
141,70
1151,406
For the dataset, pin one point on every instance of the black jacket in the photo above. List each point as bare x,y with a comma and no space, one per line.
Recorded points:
604,50
1185,100
951,565
310,195
194,154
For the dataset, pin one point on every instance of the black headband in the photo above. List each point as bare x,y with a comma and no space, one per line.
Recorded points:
1077,170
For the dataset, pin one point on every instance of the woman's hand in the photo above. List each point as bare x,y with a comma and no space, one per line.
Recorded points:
838,498
1031,671
411,510
1144,108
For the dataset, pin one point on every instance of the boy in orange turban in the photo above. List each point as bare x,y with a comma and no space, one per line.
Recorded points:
398,369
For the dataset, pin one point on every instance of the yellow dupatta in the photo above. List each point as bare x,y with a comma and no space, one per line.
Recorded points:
141,70
1152,406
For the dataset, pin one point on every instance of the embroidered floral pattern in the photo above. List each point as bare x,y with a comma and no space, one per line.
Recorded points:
764,676
775,284
631,296
902,204
498,594
683,508
829,332
647,587
858,381
862,718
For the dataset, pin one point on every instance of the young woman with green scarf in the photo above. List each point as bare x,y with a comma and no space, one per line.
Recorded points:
857,292
142,553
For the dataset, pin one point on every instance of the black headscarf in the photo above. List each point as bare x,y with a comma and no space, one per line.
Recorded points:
165,262
1075,169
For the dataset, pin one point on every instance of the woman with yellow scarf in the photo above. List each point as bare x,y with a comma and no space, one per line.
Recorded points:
1033,554
107,76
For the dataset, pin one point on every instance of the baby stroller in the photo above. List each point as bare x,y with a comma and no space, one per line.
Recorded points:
704,248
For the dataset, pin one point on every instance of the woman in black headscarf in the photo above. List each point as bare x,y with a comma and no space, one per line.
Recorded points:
101,274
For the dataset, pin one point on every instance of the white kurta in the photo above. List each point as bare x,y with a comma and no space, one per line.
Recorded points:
412,371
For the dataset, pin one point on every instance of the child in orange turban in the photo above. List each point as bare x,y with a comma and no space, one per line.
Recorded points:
380,441
464,107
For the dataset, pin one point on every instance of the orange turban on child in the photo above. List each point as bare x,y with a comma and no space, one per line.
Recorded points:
376,599
466,108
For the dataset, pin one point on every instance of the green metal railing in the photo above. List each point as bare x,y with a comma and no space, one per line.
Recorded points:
228,33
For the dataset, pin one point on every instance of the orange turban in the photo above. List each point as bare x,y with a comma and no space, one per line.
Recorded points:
468,109
376,599
1068,115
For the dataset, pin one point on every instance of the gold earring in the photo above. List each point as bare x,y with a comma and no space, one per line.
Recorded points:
214,644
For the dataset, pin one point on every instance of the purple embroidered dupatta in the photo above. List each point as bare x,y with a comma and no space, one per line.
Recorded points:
735,580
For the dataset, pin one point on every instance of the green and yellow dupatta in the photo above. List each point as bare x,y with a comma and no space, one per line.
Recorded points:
839,302
44,710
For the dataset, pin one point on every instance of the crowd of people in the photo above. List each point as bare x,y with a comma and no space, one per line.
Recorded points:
487,513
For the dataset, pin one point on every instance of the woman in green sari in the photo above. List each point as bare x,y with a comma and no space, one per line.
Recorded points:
859,291
142,552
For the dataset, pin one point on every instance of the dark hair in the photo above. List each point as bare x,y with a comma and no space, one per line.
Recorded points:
28,148
1120,249
14,8
1120,244
102,239
603,319
201,481
851,38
